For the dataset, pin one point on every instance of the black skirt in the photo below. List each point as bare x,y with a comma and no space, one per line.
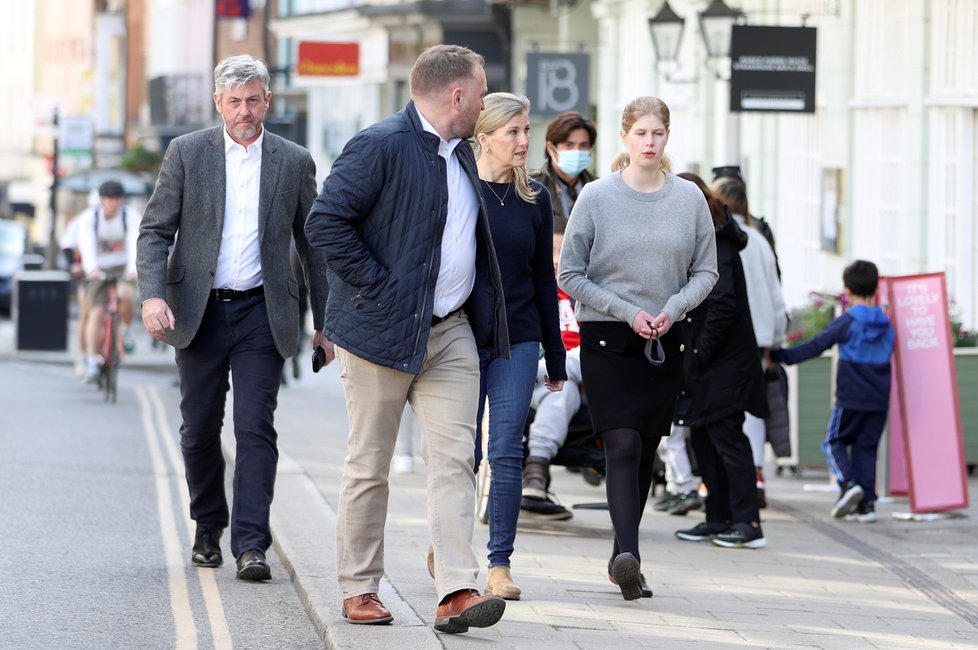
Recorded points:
624,390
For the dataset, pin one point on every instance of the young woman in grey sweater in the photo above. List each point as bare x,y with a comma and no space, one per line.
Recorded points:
639,252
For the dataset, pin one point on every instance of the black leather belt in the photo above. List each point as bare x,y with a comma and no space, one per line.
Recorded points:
225,295
441,319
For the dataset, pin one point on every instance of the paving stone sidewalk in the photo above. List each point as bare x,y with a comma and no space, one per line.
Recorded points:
820,583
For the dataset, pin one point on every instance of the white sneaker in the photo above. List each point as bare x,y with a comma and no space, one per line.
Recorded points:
851,495
403,463
863,515
91,375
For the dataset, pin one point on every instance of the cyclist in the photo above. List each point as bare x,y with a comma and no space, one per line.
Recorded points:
107,245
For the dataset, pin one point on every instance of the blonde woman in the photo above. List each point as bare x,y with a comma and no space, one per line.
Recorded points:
521,222
639,252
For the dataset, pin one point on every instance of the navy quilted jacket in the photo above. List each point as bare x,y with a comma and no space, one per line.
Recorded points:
379,219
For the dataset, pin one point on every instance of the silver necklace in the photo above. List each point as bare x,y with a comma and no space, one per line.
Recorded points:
505,194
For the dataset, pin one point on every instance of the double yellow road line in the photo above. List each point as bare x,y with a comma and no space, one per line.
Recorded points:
169,472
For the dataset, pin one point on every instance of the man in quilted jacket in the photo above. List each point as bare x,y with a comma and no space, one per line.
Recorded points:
414,292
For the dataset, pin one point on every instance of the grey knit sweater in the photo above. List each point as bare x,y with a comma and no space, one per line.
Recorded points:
626,250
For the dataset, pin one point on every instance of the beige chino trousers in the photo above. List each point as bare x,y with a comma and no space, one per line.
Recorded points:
444,398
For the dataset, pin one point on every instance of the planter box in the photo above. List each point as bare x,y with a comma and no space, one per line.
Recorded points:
810,401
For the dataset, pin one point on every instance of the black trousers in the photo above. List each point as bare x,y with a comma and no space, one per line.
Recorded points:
726,466
234,337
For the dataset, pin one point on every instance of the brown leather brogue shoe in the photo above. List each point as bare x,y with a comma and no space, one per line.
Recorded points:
466,608
366,609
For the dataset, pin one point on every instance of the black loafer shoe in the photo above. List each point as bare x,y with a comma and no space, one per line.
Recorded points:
252,566
643,585
207,548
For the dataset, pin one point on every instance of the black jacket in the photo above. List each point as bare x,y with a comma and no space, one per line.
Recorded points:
547,177
723,374
379,219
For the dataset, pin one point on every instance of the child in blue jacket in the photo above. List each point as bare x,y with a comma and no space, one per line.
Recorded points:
862,391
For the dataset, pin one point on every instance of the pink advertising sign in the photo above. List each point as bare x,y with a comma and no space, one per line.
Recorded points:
927,393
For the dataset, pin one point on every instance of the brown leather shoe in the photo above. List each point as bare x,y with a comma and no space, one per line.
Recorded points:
466,608
366,609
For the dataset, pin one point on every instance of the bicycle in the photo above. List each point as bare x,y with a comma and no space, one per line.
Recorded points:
110,345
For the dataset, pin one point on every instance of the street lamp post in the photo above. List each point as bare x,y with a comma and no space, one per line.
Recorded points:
52,253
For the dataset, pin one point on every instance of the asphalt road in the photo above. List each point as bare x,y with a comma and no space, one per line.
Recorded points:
94,529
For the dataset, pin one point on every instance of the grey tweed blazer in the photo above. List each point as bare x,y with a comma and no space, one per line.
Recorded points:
186,212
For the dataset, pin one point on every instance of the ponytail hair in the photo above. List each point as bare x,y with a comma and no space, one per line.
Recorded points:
733,193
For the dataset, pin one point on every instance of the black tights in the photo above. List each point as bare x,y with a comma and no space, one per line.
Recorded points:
628,481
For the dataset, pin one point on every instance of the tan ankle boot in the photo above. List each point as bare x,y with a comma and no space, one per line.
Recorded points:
500,583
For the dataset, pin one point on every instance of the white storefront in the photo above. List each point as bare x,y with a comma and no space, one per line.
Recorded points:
893,140
896,123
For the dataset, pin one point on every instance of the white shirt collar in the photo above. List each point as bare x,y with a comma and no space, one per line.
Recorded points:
445,148
229,141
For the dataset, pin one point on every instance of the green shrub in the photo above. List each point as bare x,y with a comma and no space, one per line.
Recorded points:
813,317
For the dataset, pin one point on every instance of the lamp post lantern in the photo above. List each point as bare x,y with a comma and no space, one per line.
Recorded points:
666,28
716,25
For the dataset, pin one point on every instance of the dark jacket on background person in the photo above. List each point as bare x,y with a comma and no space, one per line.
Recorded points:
723,374
547,177
862,380
379,219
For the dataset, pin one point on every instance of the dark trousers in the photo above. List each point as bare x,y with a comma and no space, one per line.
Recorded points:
233,336
851,445
726,466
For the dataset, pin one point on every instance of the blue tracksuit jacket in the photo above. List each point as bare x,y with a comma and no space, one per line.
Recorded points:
865,339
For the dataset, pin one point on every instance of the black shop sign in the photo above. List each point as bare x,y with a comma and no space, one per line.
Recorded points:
772,69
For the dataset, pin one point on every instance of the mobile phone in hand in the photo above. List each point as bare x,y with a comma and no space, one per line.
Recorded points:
318,358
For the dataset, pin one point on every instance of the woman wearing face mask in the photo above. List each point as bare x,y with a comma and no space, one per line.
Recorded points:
570,138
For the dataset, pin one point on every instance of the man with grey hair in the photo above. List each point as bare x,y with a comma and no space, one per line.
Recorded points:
229,200
416,292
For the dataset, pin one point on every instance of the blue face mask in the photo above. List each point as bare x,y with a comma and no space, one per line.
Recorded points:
573,162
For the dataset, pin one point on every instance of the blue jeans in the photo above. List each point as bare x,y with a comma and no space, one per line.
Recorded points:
509,386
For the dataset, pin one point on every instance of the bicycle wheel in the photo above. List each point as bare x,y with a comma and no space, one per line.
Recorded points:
111,364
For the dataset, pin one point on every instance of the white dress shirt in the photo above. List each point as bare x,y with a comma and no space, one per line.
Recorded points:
456,275
239,260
